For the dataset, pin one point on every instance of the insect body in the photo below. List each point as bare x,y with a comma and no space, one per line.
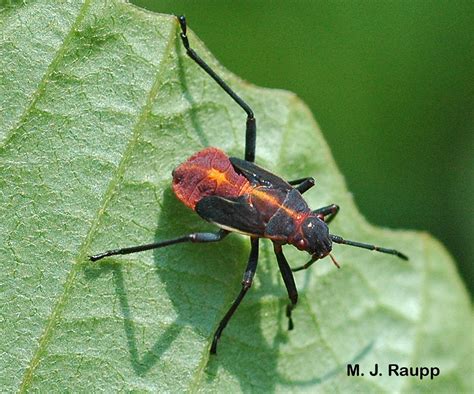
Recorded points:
239,196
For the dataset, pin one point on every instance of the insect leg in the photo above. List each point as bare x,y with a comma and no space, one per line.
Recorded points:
330,211
251,126
289,282
194,237
304,184
305,266
246,283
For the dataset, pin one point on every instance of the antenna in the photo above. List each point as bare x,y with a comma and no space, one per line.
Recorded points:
339,240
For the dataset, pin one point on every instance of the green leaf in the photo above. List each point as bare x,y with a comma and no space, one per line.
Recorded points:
98,104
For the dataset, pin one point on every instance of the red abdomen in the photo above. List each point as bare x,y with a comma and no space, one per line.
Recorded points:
206,173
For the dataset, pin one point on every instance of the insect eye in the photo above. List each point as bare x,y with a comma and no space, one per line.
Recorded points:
301,244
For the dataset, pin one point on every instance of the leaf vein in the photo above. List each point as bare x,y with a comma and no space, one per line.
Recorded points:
61,301
49,70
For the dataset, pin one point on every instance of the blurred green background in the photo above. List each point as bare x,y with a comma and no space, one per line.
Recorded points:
391,84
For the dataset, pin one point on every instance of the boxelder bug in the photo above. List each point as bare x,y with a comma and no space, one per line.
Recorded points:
238,196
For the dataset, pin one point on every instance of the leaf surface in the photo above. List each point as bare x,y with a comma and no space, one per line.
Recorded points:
98,104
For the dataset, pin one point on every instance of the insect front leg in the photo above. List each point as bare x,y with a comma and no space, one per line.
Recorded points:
330,211
251,125
304,184
305,266
246,284
289,282
193,237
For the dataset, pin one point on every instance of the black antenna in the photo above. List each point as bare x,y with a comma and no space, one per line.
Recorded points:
339,240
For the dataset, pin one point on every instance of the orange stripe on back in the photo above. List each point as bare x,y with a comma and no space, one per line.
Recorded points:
271,203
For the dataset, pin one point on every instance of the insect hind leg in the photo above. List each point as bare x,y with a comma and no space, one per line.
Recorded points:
193,237
251,125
